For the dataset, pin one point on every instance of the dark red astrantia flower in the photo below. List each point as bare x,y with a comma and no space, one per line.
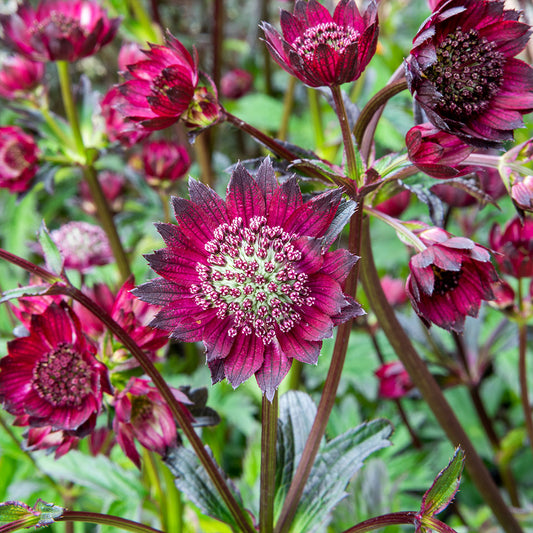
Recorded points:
321,49
52,375
251,277
19,76
449,279
164,162
462,70
18,159
58,29
514,247
394,381
164,87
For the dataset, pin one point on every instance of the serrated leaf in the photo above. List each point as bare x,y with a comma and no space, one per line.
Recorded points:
52,256
445,486
28,290
335,465
192,479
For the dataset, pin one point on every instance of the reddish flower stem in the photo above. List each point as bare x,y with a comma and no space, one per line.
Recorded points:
329,393
109,520
392,519
522,374
269,424
177,410
429,388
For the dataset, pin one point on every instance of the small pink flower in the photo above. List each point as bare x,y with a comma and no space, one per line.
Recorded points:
522,193
113,186
436,152
394,381
395,205
449,279
82,245
164,162
19,76
18,159
52,375
504,296
394,290
142,414
55,30
118,127
514,247
251,276
236,83
321,49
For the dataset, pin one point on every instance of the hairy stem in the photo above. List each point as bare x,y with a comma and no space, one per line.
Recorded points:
269,424
379,522
107,520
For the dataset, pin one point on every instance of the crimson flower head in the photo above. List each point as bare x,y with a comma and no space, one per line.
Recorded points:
142,414
19,76
519,183
251,277
18,159
65,30
164,88
52,375
394,381
434,151
236,83
82,245
164,162
321,49
514,247
449,279
463,72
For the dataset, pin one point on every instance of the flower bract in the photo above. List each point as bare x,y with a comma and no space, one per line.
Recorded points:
321,49
463,72
251,277
449,279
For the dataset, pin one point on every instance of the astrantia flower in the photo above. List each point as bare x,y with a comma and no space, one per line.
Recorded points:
434,151
113,186
514,247
394,381
394,290
236,83
164,162
142,414
52,375
251,277
19,76
516,170
321,49
164,88
462,70
18,158
449,279
58,29
82,245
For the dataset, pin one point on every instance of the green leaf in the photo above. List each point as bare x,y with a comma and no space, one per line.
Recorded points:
20,292
192,479
444,487
52,256
336,463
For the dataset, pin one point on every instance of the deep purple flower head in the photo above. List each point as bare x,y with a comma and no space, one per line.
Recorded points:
52,375
118,127
18,159
463,73
394,381
449,279
164,88
113,186
164,162
321,49
434,151
142,414
82,245
251,277
19,76
236,83
65,30
514,247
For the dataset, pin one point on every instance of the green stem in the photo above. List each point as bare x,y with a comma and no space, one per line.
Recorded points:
269,424
102,207
316,118
54,126
522,373
173,503
352,170
288,101
329,393
145,21
107,520
203,156
429,388
151,371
